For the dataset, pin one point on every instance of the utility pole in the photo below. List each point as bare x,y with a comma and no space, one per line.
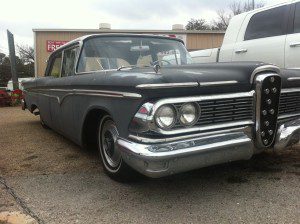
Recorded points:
12,58
253,4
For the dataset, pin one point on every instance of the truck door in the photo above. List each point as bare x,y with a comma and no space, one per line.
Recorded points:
292,46
263,39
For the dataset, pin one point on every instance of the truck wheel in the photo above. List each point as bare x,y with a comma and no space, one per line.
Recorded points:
112,161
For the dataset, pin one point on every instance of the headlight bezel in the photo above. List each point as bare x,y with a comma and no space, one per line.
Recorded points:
197,114
156,119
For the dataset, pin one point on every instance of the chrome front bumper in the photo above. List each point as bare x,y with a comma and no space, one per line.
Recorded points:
162,159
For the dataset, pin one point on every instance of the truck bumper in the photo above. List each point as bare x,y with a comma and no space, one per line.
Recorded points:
163,159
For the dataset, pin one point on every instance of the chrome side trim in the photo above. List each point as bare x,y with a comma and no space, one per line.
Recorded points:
281,117
100,92
83,92
246,129
217,83
269,68
167,85
205,128
290,90
203,98
293,78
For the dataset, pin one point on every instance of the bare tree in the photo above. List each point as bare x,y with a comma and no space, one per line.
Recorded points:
235,8
197,24
26,53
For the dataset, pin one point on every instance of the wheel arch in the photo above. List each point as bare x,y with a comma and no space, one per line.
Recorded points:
90,126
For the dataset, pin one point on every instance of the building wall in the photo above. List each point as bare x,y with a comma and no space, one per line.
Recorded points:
41,46
194,41
204,41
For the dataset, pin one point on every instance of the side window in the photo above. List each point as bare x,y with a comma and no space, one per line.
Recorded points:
56,66
268,23
68,66
297,19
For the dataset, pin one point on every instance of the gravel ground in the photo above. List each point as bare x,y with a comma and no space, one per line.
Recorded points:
51,180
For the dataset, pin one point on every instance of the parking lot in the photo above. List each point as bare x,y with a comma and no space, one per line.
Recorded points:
48,179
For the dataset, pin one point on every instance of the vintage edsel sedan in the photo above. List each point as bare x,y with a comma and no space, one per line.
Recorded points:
144,105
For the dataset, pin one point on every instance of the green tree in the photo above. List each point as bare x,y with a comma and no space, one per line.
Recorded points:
197,24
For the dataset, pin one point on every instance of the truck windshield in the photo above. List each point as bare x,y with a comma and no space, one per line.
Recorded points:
103,53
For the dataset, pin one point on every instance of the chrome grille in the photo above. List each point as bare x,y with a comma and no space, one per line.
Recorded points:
224,110
289,103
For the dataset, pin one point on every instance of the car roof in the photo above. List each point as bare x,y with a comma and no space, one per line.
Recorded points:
83,38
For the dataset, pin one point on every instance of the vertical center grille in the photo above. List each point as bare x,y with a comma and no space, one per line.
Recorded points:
268,87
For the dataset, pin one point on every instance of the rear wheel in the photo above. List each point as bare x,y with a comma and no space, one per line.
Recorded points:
112,161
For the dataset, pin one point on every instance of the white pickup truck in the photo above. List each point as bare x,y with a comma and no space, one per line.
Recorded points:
269,34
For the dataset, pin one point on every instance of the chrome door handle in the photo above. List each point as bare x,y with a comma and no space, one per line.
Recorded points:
296,44
241,51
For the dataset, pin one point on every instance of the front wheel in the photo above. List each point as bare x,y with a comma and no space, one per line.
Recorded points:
112,161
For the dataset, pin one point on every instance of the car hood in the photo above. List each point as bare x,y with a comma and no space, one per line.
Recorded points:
236,76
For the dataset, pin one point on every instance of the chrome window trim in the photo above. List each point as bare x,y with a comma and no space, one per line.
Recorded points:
167,85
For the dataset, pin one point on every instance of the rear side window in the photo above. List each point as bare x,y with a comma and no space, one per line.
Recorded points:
56,66
269,23
297,19
68,66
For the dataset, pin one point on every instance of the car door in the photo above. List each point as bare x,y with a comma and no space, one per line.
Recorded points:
43,84
263,39
61,108
292,46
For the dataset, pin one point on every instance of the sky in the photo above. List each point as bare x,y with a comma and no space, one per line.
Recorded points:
21,16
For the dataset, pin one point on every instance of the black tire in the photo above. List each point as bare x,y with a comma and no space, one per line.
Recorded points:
43,123
113,164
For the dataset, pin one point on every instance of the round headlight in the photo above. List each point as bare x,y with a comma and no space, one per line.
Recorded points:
189,114
165,116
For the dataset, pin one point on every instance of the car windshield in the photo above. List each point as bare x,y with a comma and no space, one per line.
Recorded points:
102,53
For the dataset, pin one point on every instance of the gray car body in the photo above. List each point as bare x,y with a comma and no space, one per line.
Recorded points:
65,103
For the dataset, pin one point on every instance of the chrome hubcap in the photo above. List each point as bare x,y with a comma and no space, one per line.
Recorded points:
110,150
